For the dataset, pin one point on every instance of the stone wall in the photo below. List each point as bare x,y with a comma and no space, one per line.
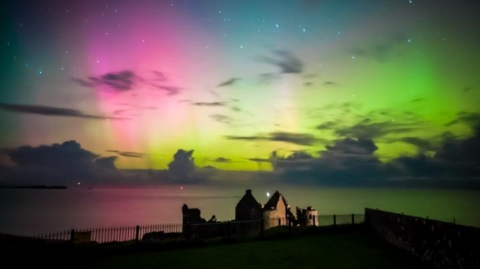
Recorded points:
271,216
443,245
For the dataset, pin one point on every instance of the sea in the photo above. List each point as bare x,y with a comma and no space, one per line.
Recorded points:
38,211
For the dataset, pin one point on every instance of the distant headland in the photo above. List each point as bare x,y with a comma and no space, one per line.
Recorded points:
35,187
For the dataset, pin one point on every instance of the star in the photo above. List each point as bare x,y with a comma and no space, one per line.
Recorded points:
276,24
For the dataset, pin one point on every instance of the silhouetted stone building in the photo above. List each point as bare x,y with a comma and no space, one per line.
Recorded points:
307,217
248,208
277,208
191,215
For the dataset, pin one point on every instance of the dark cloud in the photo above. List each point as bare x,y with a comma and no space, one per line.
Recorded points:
461,151
159,76
469,118
120,111
457,159
57,164
127,80
208,167
286,61
138,106
346,162
311,75
182,166
222,160
341,106
367,128
468,89
383,49
267,78
260,160
352,162
308,84
52,111
422,143
328,125
236,109
418,100
210,104
222,118
128,154
351,147
229,82
69,153
171,90
106,162
330,83
293,138
118,81
68,163
216,95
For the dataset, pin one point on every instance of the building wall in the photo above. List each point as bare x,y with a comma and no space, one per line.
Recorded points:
443,245
271,217
245,212
311,215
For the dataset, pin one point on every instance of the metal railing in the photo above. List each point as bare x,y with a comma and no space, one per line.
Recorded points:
162,232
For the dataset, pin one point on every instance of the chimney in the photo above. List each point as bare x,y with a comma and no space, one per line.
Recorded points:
249,191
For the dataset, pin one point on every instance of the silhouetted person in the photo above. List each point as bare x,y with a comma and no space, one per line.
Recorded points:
213,219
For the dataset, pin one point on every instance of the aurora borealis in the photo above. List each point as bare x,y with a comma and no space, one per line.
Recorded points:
293,87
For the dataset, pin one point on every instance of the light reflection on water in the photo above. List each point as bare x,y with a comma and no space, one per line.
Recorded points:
31,212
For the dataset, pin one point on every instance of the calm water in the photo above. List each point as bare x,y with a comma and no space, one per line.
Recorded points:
31,212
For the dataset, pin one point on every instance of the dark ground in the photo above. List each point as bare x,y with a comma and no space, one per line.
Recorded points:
350,249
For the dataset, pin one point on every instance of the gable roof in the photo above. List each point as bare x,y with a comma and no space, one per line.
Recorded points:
248,200
272,203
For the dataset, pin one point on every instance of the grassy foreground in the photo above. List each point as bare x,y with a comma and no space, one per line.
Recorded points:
330,250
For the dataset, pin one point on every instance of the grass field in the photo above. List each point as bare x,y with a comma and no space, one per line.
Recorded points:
328,250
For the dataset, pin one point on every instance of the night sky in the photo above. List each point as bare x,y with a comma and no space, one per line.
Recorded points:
300,91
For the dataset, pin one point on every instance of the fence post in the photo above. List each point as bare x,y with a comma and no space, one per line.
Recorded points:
314,219
453,220
334,220
290,226
353,219
189,230
72,237
228,229
137,234
279,221
261,228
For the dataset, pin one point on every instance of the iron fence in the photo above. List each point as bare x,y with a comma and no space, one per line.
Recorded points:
162,232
